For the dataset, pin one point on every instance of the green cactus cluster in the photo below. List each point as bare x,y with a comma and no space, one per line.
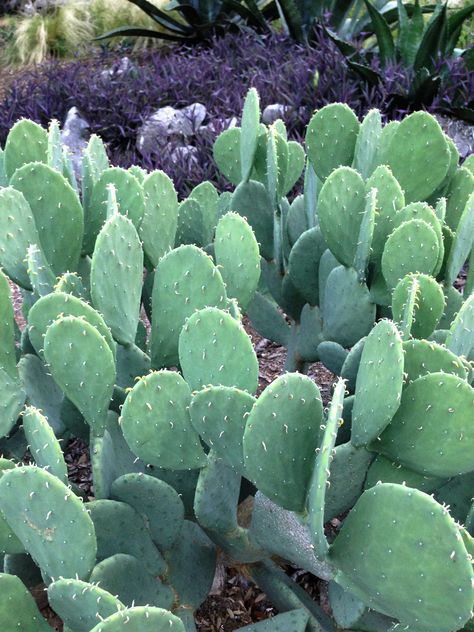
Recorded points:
134,342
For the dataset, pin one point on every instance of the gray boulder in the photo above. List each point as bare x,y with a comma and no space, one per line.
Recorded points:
167,124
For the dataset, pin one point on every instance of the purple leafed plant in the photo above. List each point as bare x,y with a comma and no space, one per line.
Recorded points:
217,75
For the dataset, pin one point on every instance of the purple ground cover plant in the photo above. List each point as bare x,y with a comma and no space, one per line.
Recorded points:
217,75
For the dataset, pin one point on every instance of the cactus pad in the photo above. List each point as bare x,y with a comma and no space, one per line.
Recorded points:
215,349
156,424
50,521
414,551
26,142
141,619
284,421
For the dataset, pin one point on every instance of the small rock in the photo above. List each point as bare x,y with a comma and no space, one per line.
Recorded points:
124,67
186,154
75,135
219,125
461,133
274,112
166,123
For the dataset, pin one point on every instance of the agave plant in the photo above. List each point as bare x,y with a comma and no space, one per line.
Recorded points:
196,19
422,46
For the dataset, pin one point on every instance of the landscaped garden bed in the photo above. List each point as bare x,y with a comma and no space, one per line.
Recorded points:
237,326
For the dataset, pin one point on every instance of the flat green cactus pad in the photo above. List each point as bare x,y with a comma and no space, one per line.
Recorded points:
425,356
284,421
50,521
414,552
335,121
121,529
26,142
116,277
379,383
81,605
185,280
432,431
141,619
215,349
412,247
384,470
341,205
219,415
428,304
156,424
43,444
18,610
17,231
160,220
418,155
157,501
12,397
57,212
238,256
83,366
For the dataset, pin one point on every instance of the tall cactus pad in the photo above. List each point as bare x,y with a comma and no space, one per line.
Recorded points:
432,431
284,421
50,307
57,213
335,121
160,219
43,445
17,232
185,280
41,275
414,552
226,153
341,207
304,264
18,610
219,415
237,254
26,142
379,383
141,619
12,398
367,145
7,332
9,543
460,339
83,366
156,424
157,501
50,521
321,473
418,155
251,200
81,605
412,247
390,200
130,201
116,277
215,349
428,307
348,311
249,135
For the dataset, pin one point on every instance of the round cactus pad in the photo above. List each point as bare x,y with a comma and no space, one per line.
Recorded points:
215,349
219,415
156,425
141,619
425,356
81,605
402,554
50,521
432,431
428,305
